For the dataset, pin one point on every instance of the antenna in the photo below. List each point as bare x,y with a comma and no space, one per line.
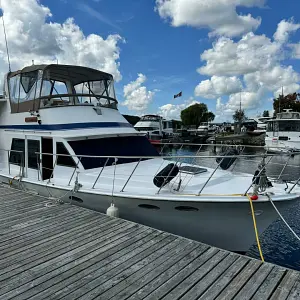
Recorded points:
240,101
8,59
280,97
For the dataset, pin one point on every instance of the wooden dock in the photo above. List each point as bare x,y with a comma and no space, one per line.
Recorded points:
66,252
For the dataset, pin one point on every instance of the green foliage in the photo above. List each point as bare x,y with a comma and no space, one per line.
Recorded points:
290,101
266,113
239,116
195,114
132,119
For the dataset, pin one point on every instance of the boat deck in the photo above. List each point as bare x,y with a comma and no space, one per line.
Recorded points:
59,251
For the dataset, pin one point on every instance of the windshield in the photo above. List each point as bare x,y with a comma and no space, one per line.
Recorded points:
150,118
146,128
113,146
284,126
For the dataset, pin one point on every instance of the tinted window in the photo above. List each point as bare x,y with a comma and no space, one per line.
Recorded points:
33,148
114,146
66,161
17,157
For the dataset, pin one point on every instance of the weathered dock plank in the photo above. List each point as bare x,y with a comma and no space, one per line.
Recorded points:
54,251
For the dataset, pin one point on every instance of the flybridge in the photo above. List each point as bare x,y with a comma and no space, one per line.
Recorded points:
43,86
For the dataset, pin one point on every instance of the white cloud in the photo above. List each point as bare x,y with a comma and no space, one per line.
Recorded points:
284,28
220,16
32,37
137,97
172,111
295,50
273,78
218,86
251,53
256,62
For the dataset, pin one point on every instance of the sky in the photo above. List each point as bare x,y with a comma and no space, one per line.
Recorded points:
218,52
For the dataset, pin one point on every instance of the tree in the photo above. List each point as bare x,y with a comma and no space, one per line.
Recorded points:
239,116
210,116
195,114
266,113
290,101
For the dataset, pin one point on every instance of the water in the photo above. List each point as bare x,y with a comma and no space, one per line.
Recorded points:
278,244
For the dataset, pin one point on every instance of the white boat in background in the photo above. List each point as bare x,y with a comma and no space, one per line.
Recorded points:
155,127
206,129
283,132
62,136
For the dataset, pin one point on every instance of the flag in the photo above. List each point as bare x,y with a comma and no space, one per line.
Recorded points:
178,95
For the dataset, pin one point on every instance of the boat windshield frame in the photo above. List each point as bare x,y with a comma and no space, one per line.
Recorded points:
47,86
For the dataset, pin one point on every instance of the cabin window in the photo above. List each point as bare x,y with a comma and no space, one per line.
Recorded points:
289,126
55,90
14,88
99,93
110,147
33,148
16,156
66,161
28,86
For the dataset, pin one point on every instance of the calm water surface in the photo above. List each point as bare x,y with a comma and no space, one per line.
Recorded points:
278,244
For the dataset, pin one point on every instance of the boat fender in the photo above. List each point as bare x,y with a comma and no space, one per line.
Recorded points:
226,163
166,175
254,197
112,211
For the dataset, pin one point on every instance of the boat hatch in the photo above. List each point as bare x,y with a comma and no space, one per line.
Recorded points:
192,170
44,86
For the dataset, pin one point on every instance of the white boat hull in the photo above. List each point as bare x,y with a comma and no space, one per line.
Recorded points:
225,225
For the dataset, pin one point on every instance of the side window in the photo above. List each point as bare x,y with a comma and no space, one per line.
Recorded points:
66,161
33,148
17,158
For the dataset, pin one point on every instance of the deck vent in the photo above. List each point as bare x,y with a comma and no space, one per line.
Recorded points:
192,170
186,208
149,206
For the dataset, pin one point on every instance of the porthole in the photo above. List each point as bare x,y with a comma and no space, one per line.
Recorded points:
186,208
149,206
74,198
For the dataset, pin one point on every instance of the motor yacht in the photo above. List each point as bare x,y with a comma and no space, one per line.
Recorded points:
62,136
283,132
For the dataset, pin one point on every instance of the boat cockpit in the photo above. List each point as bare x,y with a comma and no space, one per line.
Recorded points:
43,86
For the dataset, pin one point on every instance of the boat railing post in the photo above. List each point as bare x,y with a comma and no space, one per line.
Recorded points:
100,173
245,194
79,160
21,172
8,155
196,155
209,178
38,166
294,185
122,190
53,169
162,149
238,158
285,165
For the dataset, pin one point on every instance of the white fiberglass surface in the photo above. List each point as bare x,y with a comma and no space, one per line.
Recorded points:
114,178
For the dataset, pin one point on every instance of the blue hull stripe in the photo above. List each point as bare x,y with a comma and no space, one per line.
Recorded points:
70,126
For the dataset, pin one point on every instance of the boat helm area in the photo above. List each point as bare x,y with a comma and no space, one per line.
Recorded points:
42,86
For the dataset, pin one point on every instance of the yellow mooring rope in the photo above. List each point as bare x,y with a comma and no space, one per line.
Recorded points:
255,229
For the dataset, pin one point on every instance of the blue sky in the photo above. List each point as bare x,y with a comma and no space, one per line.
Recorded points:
169,56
